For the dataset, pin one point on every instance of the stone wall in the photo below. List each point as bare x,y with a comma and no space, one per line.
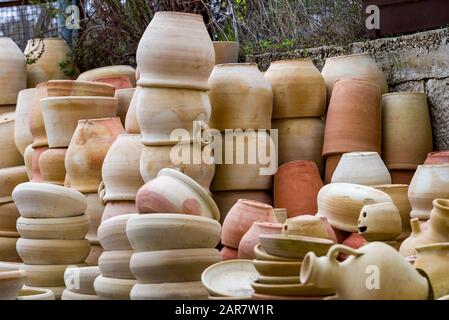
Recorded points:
417,62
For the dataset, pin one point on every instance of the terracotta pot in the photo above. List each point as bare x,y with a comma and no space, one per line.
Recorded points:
110,71
228,253
240,219
113,289
380,222
124,97
341,203
94,211
10,283
120,171
22,133
155,158
11,157
366,168
9,179
175,51
28,158
170,291
226,51
95,252
8,252
354,241
296,186
402,176
81,280
13,77
88,148
300,139
42,200
36,294
241,97
35,164
407,131
309,226
174,192
439,157
429,182
353,121
116,208
52,166
298,88
8,217
45,275
131,124
331,164
115,264
165,231
112,233
119,82
251,238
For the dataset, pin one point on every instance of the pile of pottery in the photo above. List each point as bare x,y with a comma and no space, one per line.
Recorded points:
79,283
52,226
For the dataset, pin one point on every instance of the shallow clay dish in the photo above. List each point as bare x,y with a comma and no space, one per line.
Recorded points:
261,254
277,268
291,290
295,247
278,280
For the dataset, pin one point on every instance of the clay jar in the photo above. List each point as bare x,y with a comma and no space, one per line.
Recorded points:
124,97
22,133
241,97
300,138
9,179
241,218
406,129
298,89
175,51
88,147
13,76
226,51
440,157
10,155
131,124
353,121
380,222
296,187
120,171
174,192
365,168
251,238
110,71
52,167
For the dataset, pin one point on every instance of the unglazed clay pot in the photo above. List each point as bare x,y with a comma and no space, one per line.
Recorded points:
309,226
366,168
116,208
401,176
95,209
11,157
175,51
251,238
112,233
120,171
174,192
81,279
353,121
118,82
380,222
115,264
240,219
399,280
52,166
226,51
341,203
228,253
294,247
241,97
429,182
170,291
298,88
8,252
35,164
155,158
439,157
61,115
8,217
88,148
9,179
300,139
296,186
13,77
331,164
45,275
10,283
131,124
113,289
406,129
110,71
95,252
22,133
124,97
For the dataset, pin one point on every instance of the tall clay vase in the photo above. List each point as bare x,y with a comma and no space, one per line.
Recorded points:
353,121
110,71
131,124
439,157
87,150
175,51
296,187
240,96
298,89
251,238
13,77
226,51
406,130
393,277
10,156
22,133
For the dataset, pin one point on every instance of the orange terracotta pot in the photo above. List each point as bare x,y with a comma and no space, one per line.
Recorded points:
354,241
439,157
331,164
296,187
118,208
119,82
251,238
401,176
229,254
52,166
354,120
37,175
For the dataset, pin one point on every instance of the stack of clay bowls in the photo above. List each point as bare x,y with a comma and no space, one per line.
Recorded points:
299,104
120,77
79,283
52,227
406,133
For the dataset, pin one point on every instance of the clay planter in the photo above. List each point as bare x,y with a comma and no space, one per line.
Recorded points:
81,280
8,252
365,168
9,179
45,275
429,182
402,176
226,51
294,247
110,71
120,170
131,124
353,121
124,97
115,264
341,203
169,291
113,289
228,253
116,208
380,222
407,131
95,252
172,231
251,238
296,186
69,295
309,226
39,200
440,157
112,233
35,164
8,217
22,133
94,211
13,77
175,51
241,218
36,294
88,148
298,88
52,166
10,283
52,251
174,192
11,157
155,158
118,82
399,281
241,97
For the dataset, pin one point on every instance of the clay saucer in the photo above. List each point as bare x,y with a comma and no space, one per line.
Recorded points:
278,280
294,247
277,268
290,290
261,254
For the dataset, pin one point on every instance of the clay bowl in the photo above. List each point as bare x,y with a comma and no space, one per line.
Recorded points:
70,295
8,217
295,247
117,208
230,278
9,179
112,233
169,291
168,266
115,264
290,290
166,231
10,284
36,294
277,268
42,252
113,289
45,275
42,200
261,254
81,280
278,280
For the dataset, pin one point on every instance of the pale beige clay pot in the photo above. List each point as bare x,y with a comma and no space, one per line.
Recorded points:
115,264
22,133
13,77
46,275
112,233
10,284
9,179
11,157
113,289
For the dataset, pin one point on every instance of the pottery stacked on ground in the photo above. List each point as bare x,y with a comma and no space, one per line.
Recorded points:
79,283
52,226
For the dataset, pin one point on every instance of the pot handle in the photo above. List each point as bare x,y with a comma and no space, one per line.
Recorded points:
339,248
102,192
